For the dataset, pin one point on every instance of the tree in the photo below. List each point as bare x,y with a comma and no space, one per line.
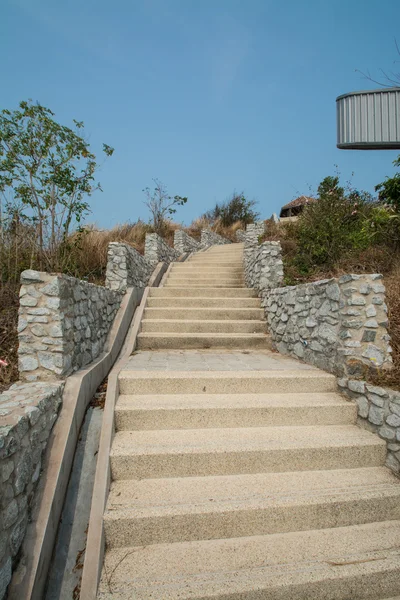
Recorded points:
161,204
389,190
330,185
46,173
236,208
390,78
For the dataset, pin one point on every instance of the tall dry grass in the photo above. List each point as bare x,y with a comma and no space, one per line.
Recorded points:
8,333
88,255
197,225
392,283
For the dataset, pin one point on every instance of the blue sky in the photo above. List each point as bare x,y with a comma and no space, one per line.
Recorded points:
206,95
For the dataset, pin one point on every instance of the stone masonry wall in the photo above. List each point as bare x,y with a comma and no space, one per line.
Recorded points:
63,324
156,250
379,412
304,321
337,325
27,414
263,266
185,243
253,232
126,267
210,238
240,235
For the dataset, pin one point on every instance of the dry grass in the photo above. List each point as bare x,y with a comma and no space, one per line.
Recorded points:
8,333
197,225
88,256
392,282
227,232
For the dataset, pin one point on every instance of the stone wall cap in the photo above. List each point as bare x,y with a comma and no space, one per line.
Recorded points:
31,275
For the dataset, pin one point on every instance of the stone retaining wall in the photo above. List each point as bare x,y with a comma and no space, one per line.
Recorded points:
210,238
63,324
185,243
126,267
263,266
240,235
339,325
253,232
27,414
379,412
156,250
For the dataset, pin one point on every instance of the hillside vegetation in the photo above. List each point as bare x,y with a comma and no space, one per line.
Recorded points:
348,232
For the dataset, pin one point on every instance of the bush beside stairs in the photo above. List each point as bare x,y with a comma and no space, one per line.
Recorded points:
245,484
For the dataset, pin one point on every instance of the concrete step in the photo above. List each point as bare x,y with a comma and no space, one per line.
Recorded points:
204,313
199,292
202,326
198,268
206,273
359,562
218,266
217,278
217,262
203,283
231,451
157,511
232,257
226,249
226,382
191,411
190,341
203,302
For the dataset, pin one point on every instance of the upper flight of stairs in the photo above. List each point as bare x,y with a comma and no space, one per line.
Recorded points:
204,304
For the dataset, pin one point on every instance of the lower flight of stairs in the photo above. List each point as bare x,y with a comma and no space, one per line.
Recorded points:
204,304
251,485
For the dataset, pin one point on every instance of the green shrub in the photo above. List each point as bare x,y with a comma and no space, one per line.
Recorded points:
237,208
332,226
389,190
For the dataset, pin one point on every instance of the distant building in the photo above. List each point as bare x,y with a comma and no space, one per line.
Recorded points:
295,207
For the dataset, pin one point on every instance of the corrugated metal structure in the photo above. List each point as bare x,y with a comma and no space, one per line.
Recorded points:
369,120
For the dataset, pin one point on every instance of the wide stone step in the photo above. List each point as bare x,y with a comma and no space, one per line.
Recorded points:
226,382
234,262
198,268
217,314
204,283
190,341
231,451
203,292
191,411
204,313
203,302
202,326
156,511
359,562
217,278
206,274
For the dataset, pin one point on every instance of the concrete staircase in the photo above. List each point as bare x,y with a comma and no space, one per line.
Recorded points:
241,474
204,304
246,485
